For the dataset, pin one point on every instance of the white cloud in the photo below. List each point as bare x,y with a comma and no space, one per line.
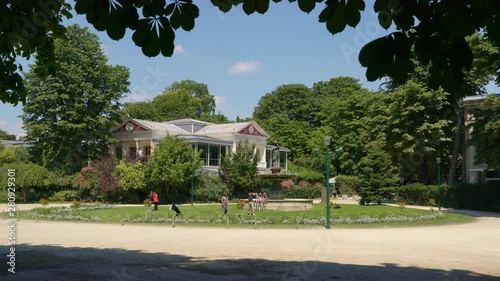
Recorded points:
16,129
244,67
179,50
139,97
105,49
220,100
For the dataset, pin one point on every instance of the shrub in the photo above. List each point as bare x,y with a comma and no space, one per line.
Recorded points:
304,183
416,193
65,195
210,189
349,185
287,184
303,192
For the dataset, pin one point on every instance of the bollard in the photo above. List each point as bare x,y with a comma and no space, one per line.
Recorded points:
17,214
254,221
298,221
121,216
173,220
227,221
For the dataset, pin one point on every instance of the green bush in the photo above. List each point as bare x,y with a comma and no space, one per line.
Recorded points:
65,195
416,193
349,185
303,192
481,197
460,196
210,189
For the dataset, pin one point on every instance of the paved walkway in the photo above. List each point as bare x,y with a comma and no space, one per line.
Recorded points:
82,251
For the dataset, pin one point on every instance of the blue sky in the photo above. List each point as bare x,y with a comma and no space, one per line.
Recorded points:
239,57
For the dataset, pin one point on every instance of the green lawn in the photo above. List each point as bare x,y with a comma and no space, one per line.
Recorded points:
210,215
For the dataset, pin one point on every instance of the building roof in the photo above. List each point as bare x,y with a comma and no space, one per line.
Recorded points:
15,143
178,127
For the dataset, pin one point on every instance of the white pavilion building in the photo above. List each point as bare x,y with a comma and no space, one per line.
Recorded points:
139,137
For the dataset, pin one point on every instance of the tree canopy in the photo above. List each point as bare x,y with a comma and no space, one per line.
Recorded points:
69,113
432,32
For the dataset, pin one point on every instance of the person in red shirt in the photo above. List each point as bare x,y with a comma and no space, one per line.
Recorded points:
155,200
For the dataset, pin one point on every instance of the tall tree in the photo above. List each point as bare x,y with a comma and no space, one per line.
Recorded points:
184,99
69,113
3,134
289,113
419,126
203,102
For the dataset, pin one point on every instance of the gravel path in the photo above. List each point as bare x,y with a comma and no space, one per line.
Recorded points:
82,251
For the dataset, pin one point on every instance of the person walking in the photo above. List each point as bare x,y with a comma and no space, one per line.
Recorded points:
251,204
150,197
223,202
155,200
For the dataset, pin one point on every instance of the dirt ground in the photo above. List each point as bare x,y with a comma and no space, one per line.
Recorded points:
84,251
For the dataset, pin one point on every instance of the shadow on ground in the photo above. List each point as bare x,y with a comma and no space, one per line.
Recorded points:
43,262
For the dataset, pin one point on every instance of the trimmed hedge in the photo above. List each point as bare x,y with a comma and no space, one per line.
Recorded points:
303,192
480,197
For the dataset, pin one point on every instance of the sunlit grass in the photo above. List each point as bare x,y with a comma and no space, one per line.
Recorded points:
210,215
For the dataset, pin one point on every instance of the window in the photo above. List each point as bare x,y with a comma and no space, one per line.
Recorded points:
269,159
146,151
214,155
132,151
118,152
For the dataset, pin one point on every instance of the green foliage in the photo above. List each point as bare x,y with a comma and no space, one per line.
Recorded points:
239,169
210,189
437,39
485,135
79,100
14,154
3,135
376,169
420,125
27,28
65,195
132,176
349,185
29,178
172,164
416,193
303,192
484,197
184,99
307,174
289,113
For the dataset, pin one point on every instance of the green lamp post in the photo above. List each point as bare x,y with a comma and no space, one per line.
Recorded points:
192,188
438,161
327,140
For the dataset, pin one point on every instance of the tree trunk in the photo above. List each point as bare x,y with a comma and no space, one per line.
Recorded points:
424,169
456,147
